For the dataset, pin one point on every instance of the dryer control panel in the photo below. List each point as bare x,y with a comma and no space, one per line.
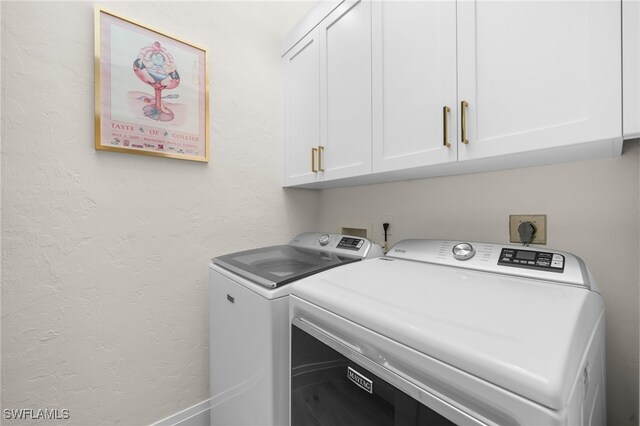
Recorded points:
527,262
545,261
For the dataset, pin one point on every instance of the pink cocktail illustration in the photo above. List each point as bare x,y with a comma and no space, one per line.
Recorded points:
156,67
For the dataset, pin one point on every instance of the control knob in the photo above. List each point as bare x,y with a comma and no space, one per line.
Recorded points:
463,251
324,239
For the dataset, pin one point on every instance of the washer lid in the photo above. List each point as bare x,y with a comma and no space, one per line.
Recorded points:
524,335
278,265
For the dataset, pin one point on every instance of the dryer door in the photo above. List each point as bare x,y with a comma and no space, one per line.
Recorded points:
327,388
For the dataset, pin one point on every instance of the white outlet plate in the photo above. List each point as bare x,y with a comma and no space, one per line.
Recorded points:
540,222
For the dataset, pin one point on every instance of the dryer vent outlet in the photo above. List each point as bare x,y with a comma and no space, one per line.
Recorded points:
538,220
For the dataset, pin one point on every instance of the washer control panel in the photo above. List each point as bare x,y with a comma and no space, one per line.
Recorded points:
324,239
541,260
339,244
350,243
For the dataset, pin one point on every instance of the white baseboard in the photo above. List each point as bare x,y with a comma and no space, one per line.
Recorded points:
196,415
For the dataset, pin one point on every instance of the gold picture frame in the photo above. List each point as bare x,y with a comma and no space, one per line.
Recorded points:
151,91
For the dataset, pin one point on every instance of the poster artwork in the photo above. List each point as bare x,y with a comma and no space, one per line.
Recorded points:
152,91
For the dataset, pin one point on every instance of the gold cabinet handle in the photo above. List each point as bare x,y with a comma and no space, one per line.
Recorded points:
463,114
320,155
314,151
445,120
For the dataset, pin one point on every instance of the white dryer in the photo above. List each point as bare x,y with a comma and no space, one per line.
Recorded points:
441,332
249,322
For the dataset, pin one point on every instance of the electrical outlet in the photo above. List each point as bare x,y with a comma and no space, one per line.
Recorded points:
540,222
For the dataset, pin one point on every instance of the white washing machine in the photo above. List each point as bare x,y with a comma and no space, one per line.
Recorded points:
249,322
441,332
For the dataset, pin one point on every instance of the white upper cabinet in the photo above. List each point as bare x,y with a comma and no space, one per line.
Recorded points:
538,74
414,84
631,70
302,112
345,96
380,90
328,97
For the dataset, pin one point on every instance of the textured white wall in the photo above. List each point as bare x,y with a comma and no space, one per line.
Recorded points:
592,210
104,255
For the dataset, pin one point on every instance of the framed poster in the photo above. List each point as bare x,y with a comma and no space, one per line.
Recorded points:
151,91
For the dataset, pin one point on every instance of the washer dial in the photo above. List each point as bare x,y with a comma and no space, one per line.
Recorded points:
324,239
463,251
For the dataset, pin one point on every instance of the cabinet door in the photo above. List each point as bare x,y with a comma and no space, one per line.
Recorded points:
538,74
345,75
302,110
414,78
